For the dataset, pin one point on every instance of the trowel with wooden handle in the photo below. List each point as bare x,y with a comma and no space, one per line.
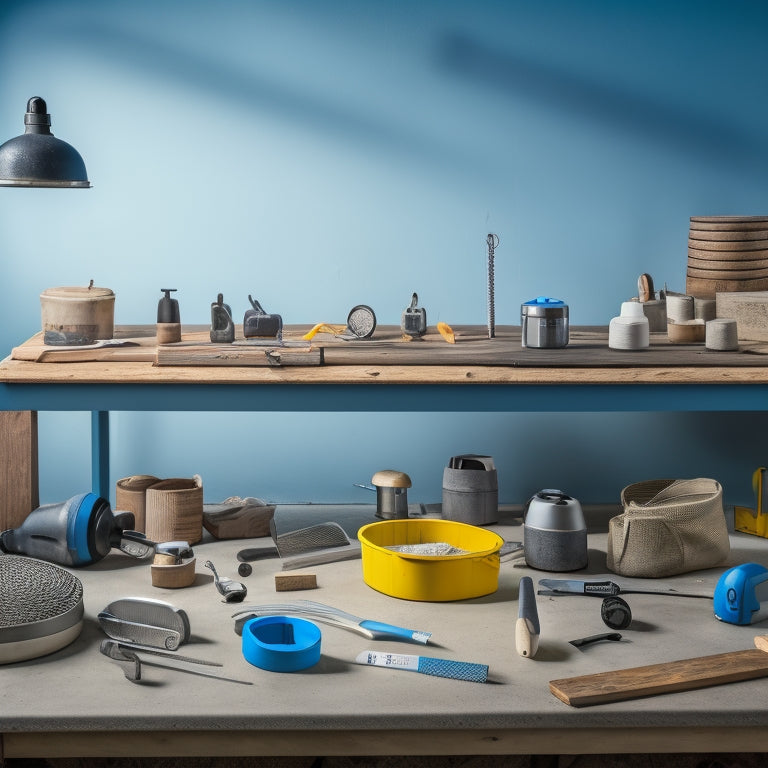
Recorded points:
527,627
669,677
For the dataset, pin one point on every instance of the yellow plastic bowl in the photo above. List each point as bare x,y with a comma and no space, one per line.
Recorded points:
430,578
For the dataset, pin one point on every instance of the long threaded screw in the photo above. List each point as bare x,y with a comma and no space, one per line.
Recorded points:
493,242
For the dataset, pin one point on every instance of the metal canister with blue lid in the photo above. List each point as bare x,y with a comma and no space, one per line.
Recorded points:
544,323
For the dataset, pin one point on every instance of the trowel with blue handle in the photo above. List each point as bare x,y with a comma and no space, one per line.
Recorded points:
739,594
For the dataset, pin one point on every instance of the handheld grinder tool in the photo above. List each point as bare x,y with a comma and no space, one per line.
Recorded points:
79,531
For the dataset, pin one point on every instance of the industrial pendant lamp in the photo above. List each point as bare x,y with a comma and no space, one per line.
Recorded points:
37,158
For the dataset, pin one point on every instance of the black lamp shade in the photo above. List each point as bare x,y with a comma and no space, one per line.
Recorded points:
37,158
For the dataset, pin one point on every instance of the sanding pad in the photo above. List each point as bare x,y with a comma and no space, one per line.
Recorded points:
41,608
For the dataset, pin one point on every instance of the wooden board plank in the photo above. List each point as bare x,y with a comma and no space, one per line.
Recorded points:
131,344
588,349
18,467
294,581
231,355
654,679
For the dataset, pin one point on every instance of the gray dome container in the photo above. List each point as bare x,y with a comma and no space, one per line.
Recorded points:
555,532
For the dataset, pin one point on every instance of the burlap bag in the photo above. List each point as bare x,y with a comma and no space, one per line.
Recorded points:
668,527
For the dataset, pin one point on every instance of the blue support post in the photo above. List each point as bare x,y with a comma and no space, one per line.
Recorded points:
100,453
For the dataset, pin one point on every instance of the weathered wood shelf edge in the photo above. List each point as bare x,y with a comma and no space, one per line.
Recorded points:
588,348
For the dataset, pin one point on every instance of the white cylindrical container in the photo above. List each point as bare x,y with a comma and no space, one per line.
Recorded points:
630,330
722,334
77,315
680,308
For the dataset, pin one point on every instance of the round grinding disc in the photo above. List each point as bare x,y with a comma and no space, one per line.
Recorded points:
41,608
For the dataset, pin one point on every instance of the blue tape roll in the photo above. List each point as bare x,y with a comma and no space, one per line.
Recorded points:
281,643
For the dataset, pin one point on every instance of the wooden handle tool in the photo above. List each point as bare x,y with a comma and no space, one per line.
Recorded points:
645,291
527,627
669,677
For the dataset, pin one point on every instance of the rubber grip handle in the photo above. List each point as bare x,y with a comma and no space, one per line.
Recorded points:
601,588
456,670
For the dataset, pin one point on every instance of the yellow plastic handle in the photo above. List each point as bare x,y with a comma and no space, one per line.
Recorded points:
446,332
324,328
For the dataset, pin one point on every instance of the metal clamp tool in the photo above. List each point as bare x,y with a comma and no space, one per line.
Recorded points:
232,591
258,323
222,327
414,318
145,621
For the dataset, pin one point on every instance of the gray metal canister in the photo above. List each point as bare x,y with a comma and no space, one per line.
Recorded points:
471,490
544,323
555,532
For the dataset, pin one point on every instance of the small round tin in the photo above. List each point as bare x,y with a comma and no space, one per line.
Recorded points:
544,323
73,316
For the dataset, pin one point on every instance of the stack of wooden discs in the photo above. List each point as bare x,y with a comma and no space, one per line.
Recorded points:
727,253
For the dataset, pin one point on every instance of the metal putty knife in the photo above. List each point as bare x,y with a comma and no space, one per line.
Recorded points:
373,630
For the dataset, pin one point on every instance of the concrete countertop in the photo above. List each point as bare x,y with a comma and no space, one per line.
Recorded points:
77,689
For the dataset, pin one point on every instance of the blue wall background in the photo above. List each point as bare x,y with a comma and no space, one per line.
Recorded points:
324,154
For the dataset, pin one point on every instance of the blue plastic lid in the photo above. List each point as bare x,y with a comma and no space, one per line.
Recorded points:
545,300
281,643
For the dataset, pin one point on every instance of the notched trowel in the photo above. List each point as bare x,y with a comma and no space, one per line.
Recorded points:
322,543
